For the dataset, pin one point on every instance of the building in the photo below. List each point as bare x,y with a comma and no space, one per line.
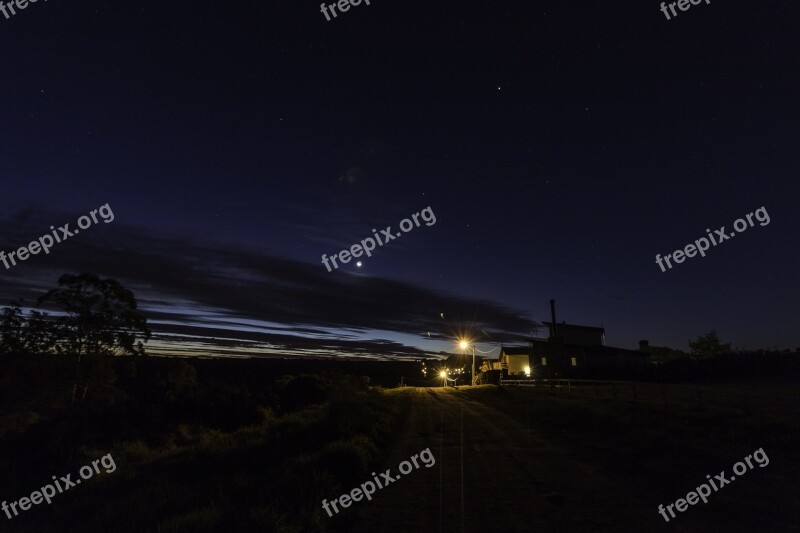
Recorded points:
553,359
571,351
578,335
514,360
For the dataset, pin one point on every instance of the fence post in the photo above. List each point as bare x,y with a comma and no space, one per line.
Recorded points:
633,386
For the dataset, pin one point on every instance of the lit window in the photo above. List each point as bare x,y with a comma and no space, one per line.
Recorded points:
544,361
574,362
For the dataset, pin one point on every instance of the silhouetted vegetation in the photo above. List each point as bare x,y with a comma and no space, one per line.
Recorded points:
195,450
733,366
708,345
663,354
21,334
98,317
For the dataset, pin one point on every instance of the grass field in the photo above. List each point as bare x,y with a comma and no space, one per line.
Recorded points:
664,441
240,446
211,452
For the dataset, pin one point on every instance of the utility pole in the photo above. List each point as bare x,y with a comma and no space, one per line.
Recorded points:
473,364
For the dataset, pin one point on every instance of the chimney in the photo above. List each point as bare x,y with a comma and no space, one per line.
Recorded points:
553,317
644,346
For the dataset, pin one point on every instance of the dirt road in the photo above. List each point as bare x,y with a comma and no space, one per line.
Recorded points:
491,474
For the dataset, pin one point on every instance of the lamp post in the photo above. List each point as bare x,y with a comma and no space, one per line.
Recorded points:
464,344
443,375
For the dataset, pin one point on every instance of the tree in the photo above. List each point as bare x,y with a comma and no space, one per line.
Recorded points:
21,335
38,333
708,345
11,329
100,318
663,354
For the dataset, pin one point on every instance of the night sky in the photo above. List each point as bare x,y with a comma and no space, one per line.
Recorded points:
560,145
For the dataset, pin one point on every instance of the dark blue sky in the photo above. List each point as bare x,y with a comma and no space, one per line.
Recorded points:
561,147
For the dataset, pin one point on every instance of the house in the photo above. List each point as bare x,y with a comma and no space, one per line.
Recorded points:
514,360
578,335
553,359
571,351
488,364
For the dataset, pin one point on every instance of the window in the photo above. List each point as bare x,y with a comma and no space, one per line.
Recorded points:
574,361
544,361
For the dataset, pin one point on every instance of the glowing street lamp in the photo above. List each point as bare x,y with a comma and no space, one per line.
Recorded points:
464,344
443,375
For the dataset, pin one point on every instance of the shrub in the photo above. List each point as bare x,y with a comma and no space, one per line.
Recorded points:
302,391
348,460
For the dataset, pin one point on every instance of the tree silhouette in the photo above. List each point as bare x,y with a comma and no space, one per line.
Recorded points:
38,333
100,318
25,335
708,345
11,329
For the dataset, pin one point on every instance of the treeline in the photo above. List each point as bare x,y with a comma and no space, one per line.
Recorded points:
742,365
709,359
95,317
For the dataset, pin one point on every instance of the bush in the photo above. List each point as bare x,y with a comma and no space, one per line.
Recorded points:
348,460
302,391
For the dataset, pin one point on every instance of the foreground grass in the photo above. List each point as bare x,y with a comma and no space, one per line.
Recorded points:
192,453
666,450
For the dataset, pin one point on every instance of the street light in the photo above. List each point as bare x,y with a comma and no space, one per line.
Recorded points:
464,344
443,375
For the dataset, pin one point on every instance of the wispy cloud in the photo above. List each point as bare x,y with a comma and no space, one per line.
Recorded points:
208,298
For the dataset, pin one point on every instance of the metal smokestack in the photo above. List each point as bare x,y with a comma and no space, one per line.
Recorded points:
553,316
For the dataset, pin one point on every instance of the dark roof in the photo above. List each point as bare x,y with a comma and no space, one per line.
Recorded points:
514,350
539,342
544,347
575,326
